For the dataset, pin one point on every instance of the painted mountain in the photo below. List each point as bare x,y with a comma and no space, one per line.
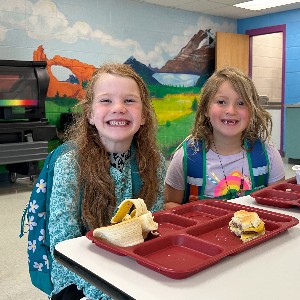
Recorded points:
144,71
197,57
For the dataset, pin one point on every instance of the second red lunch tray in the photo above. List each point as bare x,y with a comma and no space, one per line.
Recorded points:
195,236
285,194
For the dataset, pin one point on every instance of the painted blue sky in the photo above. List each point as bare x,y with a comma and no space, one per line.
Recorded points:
96,31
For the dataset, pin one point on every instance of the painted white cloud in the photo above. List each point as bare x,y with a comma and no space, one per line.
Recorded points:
42,21
17,6
45,22
205,22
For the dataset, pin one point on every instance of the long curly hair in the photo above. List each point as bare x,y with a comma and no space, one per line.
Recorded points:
96,186
260,124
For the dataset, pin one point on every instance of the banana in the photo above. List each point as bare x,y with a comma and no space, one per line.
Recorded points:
125,206
124,234
128,229
147,223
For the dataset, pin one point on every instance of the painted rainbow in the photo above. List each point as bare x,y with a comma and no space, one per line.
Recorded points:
18,102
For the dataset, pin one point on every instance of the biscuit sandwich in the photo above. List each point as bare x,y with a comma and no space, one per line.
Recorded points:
247,225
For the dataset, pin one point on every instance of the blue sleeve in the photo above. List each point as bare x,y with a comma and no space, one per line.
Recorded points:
64,224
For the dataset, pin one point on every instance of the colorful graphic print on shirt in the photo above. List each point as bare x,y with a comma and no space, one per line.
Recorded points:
231,183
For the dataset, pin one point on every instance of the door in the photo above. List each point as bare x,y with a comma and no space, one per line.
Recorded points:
266,73
271,42
232,50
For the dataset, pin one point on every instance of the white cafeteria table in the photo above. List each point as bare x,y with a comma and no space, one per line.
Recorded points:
270,270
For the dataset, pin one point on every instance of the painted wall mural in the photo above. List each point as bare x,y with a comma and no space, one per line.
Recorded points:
172,50
174,88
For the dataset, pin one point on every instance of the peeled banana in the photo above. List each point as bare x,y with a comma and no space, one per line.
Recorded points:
125,206
128,229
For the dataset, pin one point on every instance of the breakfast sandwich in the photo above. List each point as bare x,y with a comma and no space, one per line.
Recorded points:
247,225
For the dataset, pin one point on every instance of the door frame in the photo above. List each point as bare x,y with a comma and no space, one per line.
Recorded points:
268,30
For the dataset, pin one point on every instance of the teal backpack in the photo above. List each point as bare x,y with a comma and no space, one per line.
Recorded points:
37,214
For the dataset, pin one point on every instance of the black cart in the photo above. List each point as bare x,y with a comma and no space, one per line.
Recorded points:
24,128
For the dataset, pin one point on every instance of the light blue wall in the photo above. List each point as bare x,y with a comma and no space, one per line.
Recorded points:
292,66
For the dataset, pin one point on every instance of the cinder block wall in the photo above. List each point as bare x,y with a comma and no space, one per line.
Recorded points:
291,19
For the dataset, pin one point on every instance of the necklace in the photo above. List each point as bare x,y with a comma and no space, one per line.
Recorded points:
239,192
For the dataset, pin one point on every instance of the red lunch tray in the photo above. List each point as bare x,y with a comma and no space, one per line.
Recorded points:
285,194
195,236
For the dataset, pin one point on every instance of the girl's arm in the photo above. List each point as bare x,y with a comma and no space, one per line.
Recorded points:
175,182
173,197
277,172
278,181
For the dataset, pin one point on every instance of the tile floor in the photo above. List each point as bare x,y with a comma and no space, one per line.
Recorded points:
14,280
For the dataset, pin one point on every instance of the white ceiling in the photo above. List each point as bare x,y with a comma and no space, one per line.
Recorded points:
222,8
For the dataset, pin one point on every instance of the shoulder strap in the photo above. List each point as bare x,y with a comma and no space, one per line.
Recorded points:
258,164
194,166
136,179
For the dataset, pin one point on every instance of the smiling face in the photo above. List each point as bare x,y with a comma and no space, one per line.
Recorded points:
228,113
117,111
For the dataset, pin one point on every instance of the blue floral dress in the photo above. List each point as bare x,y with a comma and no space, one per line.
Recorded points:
63,220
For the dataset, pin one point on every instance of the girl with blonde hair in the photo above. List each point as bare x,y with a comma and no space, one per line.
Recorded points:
229,152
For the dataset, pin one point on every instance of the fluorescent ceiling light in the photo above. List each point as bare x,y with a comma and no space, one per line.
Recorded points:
264,4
